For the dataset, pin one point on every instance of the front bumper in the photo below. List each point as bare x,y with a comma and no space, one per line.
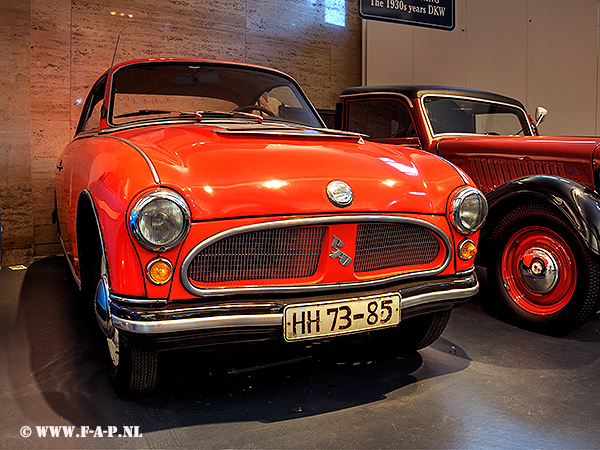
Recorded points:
229,320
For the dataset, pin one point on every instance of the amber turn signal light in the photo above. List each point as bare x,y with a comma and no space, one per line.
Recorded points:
467,249
159,271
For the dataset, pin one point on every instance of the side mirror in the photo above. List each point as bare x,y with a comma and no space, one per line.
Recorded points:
540,115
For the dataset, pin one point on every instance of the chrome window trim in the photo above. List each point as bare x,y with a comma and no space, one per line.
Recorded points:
461,97
318,287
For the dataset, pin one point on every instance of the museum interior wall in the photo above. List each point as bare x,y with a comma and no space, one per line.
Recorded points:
54,50
543,52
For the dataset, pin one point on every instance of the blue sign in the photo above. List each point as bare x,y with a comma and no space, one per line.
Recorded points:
423,13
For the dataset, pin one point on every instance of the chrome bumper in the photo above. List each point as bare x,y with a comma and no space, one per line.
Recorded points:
180,318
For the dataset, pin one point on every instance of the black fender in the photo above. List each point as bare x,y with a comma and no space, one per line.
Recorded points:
578,204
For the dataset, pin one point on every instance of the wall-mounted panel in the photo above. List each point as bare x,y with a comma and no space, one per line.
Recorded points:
543,52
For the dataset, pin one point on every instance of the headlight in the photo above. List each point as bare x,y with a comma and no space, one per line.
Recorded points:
160,220
469,210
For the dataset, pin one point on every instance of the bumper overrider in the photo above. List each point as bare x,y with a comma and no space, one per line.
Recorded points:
225,320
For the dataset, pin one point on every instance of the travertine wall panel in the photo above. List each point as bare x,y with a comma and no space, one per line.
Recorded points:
55,50
16,205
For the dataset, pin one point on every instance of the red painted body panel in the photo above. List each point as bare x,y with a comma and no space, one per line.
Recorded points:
245,175
494,160
113,172
235,179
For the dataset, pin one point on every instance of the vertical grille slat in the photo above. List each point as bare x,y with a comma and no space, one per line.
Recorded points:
387,245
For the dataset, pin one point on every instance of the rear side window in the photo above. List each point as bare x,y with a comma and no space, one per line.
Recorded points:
380,119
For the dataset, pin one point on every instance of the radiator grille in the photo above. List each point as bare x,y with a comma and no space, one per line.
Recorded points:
278,253
388,245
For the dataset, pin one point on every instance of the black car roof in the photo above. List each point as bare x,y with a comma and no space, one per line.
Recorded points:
418,91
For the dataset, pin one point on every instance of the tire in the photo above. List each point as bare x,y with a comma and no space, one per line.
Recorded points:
546,280
133,372
415,333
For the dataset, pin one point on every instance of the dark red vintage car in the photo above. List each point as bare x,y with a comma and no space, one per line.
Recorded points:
541,241
203,203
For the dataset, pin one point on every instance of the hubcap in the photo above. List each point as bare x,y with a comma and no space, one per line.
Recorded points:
538,269
113,347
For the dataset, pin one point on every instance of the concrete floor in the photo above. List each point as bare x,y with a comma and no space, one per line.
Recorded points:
483,384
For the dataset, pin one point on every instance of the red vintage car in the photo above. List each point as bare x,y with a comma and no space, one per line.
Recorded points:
203,203
541,241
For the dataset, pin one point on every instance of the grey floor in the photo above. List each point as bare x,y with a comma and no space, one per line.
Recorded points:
483,384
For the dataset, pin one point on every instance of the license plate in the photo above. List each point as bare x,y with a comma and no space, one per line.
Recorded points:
341,316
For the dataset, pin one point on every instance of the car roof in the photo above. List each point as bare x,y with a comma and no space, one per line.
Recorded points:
418,91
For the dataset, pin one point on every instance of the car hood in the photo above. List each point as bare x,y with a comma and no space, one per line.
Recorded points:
566,156
259,170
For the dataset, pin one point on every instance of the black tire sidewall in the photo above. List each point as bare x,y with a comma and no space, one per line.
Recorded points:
537,215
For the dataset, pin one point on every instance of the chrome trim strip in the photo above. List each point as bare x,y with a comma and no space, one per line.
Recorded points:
71,267
204,323
432,297
481,100
263,320
387,94
141,152
313,287
104,262
135,301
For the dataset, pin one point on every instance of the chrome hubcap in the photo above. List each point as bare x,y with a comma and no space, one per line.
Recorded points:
539,270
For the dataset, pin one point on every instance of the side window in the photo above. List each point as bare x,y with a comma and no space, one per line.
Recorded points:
380,119
91,114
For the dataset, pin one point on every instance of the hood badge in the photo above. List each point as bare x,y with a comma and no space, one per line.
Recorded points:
339,193
338,254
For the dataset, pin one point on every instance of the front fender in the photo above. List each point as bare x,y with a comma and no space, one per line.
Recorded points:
578,204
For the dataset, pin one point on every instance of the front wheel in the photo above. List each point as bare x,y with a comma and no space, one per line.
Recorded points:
133,372
545,279
414,333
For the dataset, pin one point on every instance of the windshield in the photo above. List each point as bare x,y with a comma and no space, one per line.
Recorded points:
468,116
143,92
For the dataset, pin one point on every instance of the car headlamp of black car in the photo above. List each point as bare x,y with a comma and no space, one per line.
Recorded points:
468,210
160,220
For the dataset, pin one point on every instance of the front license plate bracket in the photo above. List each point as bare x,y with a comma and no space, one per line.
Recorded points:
354,315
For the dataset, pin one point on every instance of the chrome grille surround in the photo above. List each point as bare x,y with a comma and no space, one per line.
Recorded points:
388,245
308,222
277,253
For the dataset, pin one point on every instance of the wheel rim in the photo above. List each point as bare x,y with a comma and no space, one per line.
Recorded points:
113,348
538,270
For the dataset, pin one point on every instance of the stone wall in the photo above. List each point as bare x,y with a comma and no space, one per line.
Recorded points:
54,50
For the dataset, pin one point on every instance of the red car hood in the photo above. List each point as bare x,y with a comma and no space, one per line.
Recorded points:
572,156
248,173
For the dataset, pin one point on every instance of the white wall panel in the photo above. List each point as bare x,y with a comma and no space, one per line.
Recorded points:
389,53
441,56
543,52
496,46
562,62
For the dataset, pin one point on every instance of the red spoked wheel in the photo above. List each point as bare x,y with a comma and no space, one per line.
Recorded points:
539,270
542,274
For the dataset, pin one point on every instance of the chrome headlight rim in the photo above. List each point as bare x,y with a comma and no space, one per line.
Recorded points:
145,200
457,202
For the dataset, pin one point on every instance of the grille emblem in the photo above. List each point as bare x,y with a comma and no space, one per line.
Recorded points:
344,259
339,193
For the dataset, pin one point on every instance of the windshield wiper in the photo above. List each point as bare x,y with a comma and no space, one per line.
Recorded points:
200,114
143,112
